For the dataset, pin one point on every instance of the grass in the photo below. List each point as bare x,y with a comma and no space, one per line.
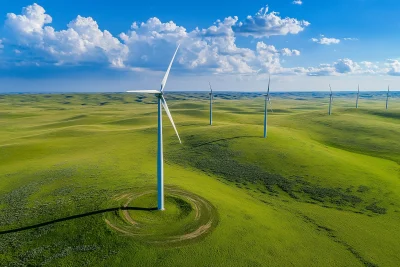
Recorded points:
319,191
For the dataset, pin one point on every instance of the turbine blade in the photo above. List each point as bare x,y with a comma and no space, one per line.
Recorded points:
210,87
269,82
164,103
144,91
164,81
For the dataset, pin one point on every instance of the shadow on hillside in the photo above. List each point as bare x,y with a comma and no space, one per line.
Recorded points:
225,139
74,217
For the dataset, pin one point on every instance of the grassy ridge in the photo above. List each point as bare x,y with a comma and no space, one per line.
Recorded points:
321,190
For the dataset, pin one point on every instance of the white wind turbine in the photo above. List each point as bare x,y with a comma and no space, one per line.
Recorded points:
358,96
211,99
387,99
267,99
161,102
330,101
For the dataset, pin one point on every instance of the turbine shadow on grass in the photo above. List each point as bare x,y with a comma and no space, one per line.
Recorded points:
225,139
74,217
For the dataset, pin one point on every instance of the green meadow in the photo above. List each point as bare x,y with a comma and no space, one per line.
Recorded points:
319,191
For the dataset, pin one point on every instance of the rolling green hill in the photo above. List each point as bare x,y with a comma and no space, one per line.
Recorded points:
319,191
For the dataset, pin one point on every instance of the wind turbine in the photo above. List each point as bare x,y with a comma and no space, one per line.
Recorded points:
267,99
211,99
330,101
358,96
161,103
387,99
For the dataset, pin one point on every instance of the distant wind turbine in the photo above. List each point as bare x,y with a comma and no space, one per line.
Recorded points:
161,102
387,99
330,101
358,96
267,99
211,99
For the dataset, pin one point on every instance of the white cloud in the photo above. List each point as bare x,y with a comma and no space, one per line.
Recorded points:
221,29
149,45
212,49
288,52
297,2
328,41
371,68
349,67
394,67
268,58
321,70
346,66
367,63
265,24
30,24
325,41
83,41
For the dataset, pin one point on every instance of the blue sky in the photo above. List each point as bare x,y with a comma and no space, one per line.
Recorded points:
305,45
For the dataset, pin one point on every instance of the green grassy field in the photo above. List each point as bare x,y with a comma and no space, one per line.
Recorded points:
319,191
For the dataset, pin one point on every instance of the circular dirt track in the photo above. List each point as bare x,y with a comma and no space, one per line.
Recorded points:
187,217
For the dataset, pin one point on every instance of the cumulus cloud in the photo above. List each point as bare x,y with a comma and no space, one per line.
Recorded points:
349,67
367,63
368,67
297,2
220,28
321,70
288,52
212,49
325,41
345,66
265,24
149,45
30,24
394,67
82,41
268,58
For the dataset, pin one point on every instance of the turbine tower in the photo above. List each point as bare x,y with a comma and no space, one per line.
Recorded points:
161,104
387,99
330,101
267,99
211,99
358,96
